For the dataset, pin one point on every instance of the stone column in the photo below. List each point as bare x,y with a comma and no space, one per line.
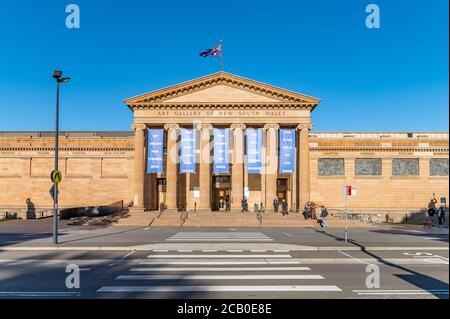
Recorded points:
139,166
204,166
237,177
171,167
271,167
304,169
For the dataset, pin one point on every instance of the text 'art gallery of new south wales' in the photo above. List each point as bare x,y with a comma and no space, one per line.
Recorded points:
214,144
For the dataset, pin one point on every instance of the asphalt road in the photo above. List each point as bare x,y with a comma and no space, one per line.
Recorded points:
224,274
266,263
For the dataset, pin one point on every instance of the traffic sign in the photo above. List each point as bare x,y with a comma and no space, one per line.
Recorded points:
56,176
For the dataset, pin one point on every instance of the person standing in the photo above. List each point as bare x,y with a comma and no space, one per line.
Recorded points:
307,210
284,207
276,204
431,210
441,216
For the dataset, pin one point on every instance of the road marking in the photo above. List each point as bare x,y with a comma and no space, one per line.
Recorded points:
223,269
266,262
287,234
160,250
218,277
184,251
280,251
402,292
218,256
258,251
38,293
356,259
219,236
280,288
234,251
220,239
209,251
115,263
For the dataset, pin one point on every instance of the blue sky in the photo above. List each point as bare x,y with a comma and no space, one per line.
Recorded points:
390,79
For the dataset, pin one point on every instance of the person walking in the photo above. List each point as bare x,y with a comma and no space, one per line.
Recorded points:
323,216
284,207
244,205
276,204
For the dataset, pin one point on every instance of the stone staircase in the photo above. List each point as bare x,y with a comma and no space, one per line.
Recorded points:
226,219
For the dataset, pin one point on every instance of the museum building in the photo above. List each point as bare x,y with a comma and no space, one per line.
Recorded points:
210,143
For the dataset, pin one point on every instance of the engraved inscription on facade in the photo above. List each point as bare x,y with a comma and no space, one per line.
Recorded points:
439,167
368,166
331,167
405,167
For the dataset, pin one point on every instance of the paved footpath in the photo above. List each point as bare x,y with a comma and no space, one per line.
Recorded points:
124,262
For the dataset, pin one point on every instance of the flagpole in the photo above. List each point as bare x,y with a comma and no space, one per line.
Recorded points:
221,54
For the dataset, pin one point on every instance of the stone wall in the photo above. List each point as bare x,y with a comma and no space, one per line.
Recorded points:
405,185
97,169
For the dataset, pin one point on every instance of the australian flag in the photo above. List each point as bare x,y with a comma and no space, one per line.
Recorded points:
213,52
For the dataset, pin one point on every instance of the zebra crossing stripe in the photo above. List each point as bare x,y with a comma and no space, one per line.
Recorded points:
253,269
218,277
264,262
218,256
277,288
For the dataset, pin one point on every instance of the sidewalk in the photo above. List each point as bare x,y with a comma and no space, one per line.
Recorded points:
37,236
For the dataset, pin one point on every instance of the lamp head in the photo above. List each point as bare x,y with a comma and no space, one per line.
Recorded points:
63,80
57,74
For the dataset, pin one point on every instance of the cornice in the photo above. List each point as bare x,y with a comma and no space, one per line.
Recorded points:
52,149
222,106
377,149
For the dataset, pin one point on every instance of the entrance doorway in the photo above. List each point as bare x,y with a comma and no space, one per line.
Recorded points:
282,188
221,193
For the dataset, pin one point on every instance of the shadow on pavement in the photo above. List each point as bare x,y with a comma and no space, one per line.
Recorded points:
415,278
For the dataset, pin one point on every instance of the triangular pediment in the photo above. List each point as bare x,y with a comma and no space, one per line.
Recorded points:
220,88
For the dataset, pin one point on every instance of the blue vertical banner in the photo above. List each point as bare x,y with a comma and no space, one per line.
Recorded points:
155,150
188,145
287,150
221,154
254,144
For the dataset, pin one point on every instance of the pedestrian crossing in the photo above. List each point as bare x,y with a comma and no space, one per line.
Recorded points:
219,237
236,272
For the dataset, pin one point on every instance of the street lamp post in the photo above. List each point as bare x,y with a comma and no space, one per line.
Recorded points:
59,79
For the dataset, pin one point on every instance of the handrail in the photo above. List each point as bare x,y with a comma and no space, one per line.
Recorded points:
259,218
184,215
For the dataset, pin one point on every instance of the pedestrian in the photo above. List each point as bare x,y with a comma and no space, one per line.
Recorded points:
307,210
261,208
284,207
313,210
276,204
323,216
441,216
431,211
